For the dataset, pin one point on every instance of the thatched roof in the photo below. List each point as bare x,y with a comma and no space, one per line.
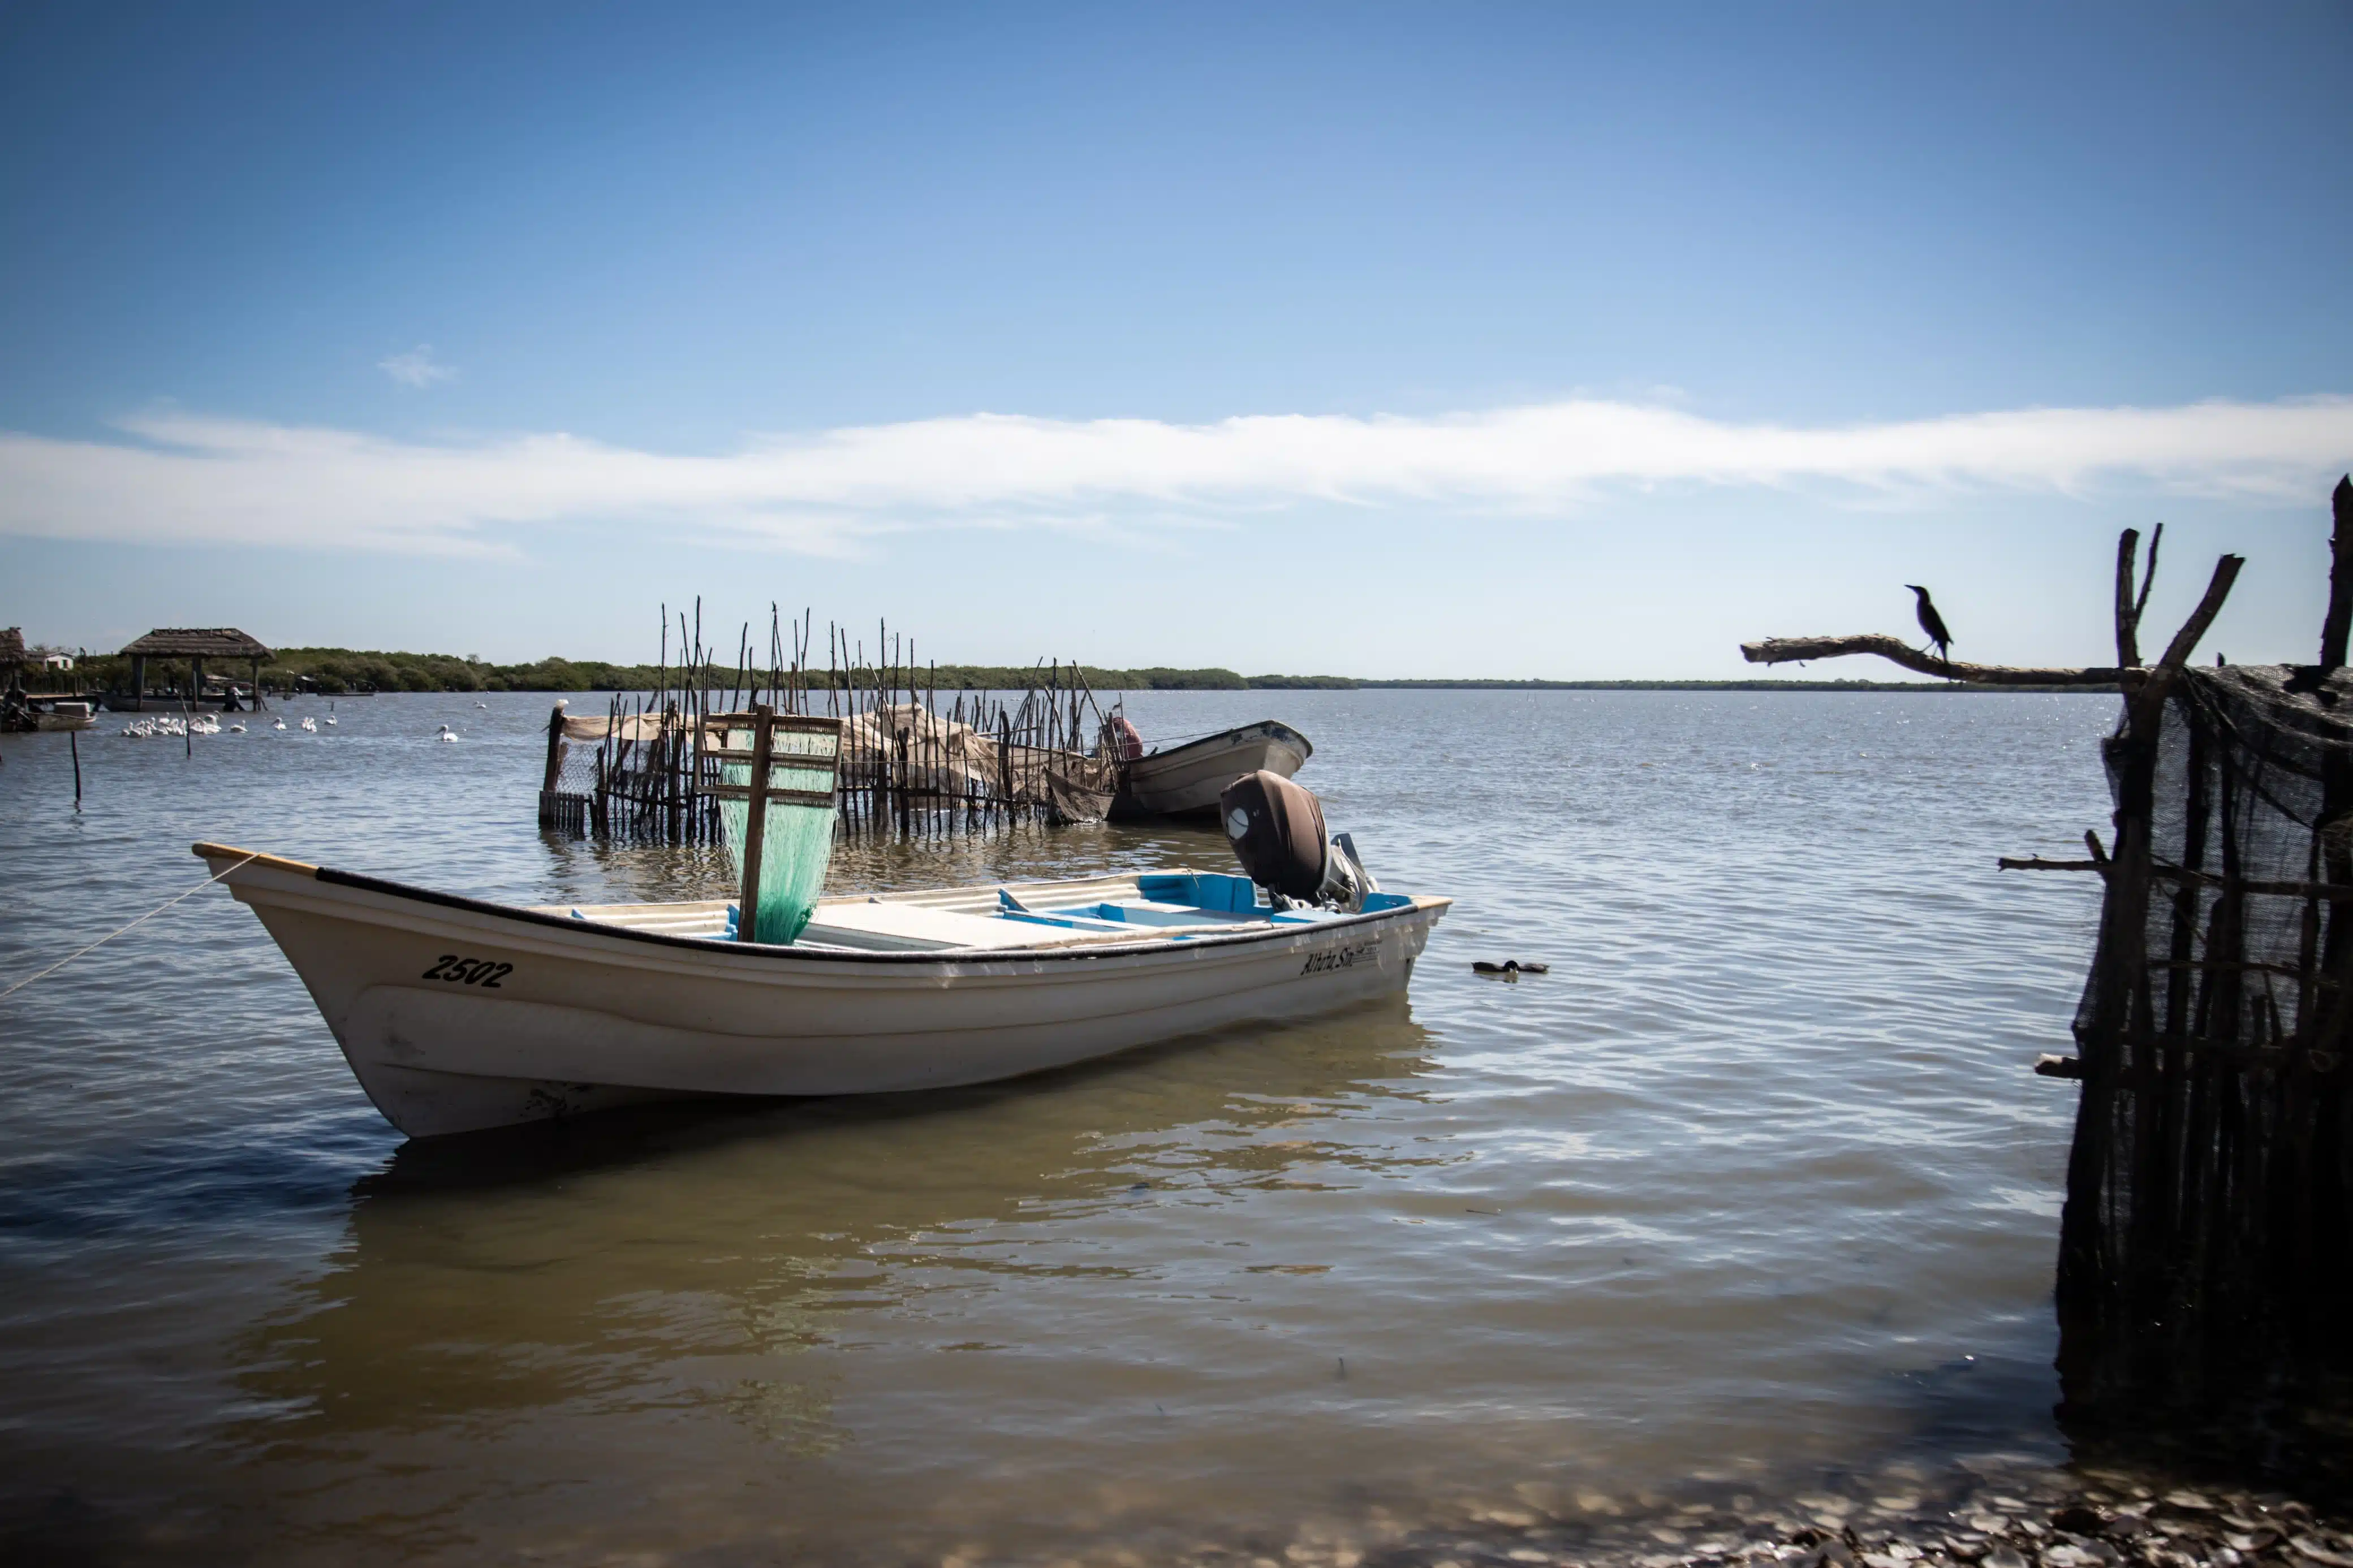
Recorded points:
196,642
12,645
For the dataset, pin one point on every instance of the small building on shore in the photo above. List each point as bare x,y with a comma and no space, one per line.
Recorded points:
197,646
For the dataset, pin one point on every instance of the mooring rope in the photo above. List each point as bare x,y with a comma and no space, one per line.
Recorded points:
143,919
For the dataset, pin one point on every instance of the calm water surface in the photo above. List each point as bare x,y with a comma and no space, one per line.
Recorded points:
1757,1185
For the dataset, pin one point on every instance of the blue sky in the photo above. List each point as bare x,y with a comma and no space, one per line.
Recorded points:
1450,340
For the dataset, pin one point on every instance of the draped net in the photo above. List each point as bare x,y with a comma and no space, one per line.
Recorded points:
2210,1185
797,840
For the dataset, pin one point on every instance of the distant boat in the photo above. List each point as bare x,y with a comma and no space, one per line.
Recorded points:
56,713
1185,780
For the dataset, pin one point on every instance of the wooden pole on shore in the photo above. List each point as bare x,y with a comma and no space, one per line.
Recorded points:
2335,626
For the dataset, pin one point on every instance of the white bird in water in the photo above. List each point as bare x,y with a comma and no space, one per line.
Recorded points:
312,725
481,705
447,734
278,724
236,729
330,719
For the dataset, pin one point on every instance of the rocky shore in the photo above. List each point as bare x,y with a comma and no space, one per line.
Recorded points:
1996,1517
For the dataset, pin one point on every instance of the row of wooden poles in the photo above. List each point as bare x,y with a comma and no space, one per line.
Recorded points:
912,765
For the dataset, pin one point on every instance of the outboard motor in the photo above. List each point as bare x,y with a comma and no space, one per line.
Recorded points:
1277,832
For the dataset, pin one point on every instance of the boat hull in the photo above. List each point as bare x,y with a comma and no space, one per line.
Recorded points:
1186,780
590,1015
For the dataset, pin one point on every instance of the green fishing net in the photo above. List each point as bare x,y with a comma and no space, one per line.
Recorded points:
799,839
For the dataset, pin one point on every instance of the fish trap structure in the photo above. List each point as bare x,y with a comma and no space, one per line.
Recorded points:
913,761
2209,1191
2206,1244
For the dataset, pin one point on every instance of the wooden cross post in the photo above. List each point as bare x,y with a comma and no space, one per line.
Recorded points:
756,821
760,789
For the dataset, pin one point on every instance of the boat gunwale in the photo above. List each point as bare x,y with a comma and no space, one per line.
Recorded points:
359,881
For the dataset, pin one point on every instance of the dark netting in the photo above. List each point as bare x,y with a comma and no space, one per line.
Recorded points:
2207,1217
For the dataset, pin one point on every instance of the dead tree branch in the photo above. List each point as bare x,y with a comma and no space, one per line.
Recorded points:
2128,605
2128,622
2132,679
1895,650
2185,641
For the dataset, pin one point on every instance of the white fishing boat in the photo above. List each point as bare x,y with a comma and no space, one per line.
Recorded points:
458,1014
1186,781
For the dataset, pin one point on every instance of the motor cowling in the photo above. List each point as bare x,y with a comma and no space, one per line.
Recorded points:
1278,834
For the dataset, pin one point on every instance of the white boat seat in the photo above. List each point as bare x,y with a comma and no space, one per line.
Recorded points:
910,927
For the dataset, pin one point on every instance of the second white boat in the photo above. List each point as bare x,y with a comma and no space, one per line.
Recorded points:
1186,781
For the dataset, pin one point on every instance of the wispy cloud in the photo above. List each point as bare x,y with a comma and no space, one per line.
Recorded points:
417,368
178,477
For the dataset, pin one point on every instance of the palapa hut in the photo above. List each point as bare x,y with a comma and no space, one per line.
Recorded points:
196,645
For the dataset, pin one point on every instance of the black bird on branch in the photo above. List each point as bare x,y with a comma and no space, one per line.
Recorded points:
1933,623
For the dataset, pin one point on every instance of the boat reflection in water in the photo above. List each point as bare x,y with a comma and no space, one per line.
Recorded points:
856,1327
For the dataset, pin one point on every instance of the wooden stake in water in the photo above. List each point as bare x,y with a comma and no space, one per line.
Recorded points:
73,743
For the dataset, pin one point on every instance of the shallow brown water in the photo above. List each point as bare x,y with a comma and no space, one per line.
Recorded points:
1756,1186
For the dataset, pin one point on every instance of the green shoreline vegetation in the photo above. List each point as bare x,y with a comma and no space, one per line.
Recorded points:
337,671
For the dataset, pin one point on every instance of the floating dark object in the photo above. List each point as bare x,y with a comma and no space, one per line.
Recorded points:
1509,966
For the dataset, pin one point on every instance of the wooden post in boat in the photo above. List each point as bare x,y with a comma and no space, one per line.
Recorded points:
756,820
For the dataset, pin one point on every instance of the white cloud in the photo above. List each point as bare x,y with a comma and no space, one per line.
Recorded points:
417,368
184,478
